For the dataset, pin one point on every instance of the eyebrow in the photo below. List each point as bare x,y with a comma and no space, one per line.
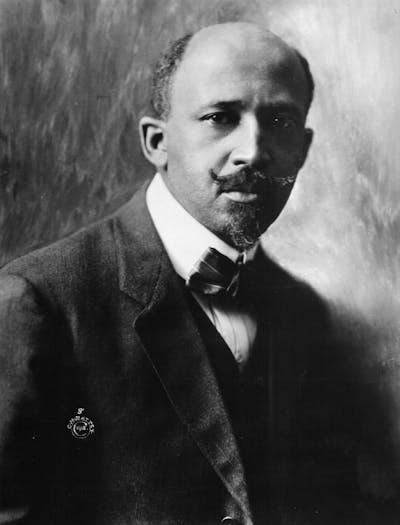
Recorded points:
222,104
238,104
285,107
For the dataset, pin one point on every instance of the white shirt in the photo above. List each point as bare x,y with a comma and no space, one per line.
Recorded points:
185,240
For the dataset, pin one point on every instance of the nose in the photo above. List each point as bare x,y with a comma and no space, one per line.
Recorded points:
250,147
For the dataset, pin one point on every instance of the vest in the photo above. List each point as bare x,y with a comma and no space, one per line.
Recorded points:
245,394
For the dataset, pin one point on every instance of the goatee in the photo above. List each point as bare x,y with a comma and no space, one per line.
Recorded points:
244,227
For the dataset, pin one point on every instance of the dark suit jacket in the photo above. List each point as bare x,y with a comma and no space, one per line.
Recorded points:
100,321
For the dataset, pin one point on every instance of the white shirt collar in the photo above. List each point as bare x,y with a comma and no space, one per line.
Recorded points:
183,237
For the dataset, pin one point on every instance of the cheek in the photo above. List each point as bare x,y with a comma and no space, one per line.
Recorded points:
192,154
181,150
289,159
190,160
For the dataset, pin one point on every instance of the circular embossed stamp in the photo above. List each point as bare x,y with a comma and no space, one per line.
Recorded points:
80,426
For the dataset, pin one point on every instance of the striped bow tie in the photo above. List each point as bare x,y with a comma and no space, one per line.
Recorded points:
214,273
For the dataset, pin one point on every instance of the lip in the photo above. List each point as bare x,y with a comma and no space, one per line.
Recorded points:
241,196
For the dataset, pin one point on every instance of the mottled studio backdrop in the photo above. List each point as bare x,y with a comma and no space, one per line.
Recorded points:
74,80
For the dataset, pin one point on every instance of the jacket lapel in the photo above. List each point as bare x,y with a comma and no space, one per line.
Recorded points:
172,342
277,295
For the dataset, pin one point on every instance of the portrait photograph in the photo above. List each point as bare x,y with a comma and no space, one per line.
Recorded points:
199,262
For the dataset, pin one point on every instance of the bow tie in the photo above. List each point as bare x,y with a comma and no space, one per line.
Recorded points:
214,273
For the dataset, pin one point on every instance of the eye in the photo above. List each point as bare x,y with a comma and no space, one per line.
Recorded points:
221,118
285,123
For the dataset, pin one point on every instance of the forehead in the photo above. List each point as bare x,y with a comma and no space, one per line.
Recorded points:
252,70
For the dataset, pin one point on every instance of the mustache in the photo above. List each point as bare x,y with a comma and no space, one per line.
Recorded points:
251,180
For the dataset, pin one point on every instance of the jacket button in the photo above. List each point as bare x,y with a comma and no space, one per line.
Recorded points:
229,521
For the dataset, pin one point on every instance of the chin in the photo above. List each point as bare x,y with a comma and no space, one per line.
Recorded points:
243,228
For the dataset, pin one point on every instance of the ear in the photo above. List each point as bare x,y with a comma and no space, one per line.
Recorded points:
308,137
153,141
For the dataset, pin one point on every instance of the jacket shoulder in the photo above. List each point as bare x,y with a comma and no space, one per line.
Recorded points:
77,262
292,298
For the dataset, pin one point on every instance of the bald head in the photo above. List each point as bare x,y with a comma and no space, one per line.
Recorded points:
226,41
240,37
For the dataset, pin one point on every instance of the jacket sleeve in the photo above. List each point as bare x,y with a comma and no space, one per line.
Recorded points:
25,341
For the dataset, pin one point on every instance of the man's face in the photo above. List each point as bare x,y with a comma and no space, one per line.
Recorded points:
235,134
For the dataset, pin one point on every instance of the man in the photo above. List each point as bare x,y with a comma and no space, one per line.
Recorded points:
157,368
